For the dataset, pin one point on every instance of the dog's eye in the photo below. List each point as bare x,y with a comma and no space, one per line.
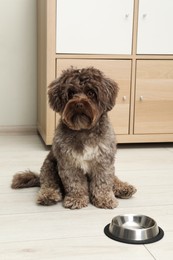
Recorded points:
91,94
71,93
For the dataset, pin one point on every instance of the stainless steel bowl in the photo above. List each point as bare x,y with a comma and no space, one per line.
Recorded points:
134,229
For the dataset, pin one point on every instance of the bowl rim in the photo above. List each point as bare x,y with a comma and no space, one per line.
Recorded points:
134,215
156,238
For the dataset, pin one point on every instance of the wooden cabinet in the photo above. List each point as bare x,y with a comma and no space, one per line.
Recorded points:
94,26
130,41
155,27
154,97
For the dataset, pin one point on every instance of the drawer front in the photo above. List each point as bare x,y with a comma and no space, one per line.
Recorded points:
94,26
118,70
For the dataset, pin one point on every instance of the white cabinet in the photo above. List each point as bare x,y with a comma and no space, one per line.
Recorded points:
94,26
155,23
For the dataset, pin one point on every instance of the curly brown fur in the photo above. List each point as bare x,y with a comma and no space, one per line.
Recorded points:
122,190
25,180
80,166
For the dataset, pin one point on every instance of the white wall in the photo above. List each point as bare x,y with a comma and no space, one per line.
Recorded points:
18,62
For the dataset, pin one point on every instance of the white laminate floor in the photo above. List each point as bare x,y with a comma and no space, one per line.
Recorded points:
29,231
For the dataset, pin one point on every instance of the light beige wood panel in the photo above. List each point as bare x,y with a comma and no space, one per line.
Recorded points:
118,70
41,70
154,97
144,138
46,66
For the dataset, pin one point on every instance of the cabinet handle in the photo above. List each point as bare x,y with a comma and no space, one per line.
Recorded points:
126,16
124,98
141,98
144,16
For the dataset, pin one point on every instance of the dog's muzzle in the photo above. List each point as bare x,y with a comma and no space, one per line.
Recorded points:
80,113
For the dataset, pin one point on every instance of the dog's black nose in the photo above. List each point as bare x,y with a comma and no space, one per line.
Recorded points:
79,106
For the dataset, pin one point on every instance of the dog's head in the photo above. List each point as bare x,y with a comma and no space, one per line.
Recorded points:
82,96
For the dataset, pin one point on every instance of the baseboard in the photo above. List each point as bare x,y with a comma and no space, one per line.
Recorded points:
18,130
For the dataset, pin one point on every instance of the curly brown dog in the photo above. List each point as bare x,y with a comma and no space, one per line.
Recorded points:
80,166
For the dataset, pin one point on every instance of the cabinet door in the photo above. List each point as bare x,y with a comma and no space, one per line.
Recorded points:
155,23
154,97
118,70
94,26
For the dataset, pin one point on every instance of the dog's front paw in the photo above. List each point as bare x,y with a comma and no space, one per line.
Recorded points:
125,191
107,202
75,202
48,197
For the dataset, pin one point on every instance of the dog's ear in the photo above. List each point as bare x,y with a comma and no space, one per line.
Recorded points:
57,94
55,101
109,93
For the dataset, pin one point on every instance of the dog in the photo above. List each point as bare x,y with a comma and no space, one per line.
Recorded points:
80,165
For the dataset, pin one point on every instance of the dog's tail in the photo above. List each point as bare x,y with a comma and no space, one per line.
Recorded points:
25,179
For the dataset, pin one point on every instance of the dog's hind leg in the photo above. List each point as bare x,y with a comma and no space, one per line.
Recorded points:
122,189
51,187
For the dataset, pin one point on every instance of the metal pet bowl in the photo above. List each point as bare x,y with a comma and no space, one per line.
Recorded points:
134,229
